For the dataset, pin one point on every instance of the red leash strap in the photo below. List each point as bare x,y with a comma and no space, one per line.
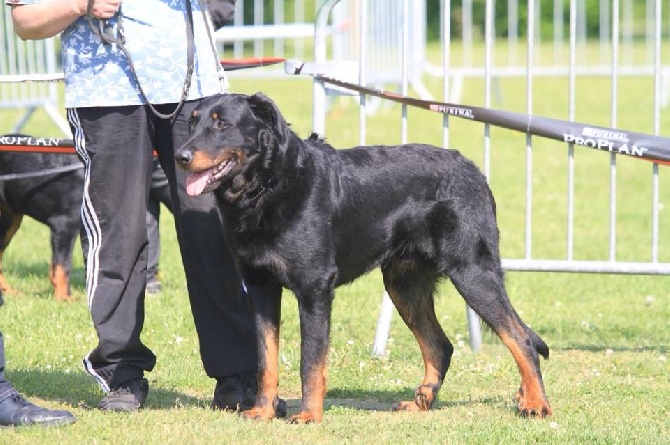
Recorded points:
249,62
36,145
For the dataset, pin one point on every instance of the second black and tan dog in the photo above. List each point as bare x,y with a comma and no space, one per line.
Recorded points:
52,199
305,216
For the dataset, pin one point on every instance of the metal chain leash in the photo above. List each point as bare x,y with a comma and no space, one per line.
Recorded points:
105,32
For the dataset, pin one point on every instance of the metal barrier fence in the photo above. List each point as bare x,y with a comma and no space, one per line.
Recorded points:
285,31
31,57
288,31
573,57
382,42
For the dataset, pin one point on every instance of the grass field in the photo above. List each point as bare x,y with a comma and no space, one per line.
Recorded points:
608,377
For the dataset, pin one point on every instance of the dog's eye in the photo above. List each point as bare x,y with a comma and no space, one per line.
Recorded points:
221,125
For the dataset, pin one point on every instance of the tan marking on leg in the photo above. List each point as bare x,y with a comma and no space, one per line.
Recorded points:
425,394
268,378
313,395
11,231
530,398
61,282
3,281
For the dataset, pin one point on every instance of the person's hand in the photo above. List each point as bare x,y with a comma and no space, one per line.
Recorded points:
102,9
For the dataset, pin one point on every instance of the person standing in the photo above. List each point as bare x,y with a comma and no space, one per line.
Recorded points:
121,107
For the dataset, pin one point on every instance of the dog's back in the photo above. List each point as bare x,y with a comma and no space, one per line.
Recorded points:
41,196
53,199
428,173
392,200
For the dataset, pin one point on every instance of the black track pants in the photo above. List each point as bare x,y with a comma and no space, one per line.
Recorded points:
116,144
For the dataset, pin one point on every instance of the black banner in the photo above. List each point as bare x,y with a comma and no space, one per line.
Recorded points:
644,146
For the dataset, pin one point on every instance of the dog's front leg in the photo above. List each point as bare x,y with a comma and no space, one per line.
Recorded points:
315,312
266,298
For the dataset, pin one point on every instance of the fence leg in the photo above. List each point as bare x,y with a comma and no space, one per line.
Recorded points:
475,330
383,326
22,121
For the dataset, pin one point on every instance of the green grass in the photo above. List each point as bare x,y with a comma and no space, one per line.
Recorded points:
608,376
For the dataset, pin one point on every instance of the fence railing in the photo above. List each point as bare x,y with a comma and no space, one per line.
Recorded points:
30,57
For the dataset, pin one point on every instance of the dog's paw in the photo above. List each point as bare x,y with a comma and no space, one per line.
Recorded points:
259,413
532,407
305,417
424,396
406,406
64,297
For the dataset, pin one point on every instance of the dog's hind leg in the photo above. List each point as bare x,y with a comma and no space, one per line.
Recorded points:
481,284
9,225
411,285
62,243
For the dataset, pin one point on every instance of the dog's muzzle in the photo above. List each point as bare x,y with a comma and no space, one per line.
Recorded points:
184,157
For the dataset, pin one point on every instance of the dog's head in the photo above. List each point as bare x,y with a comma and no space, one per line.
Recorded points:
234,138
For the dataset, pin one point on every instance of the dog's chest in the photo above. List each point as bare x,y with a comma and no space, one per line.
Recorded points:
262,255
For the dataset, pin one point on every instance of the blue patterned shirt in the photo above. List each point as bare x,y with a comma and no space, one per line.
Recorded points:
98,74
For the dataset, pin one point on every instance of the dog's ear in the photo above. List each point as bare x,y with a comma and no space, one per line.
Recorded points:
266,110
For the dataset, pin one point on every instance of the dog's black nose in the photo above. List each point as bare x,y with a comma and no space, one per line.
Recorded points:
184,156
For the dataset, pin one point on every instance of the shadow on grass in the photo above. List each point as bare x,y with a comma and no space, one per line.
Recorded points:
81,391
384,400
377,402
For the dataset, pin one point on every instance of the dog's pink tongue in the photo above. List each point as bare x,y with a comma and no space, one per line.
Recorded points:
196,182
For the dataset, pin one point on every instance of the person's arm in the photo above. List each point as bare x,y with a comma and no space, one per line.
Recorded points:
42,20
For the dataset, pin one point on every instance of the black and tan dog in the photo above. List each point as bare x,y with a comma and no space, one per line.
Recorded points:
52,199
305,216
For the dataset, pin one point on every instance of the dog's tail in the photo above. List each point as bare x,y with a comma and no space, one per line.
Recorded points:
539,344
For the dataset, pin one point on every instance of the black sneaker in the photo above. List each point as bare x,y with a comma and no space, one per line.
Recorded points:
238,393
129,396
